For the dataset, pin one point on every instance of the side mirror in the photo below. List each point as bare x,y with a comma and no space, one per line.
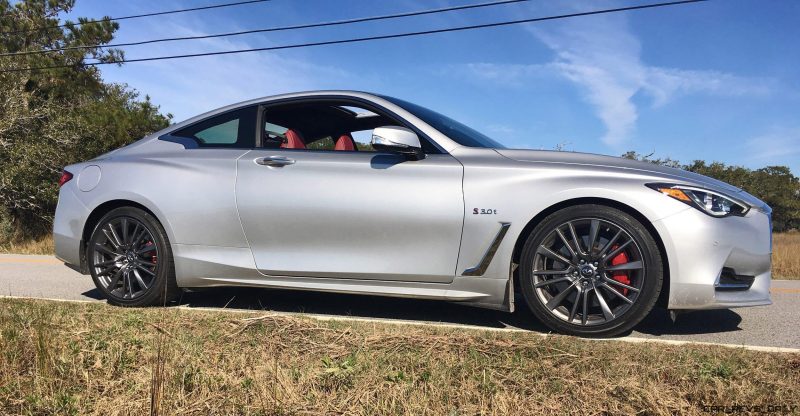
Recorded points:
397,140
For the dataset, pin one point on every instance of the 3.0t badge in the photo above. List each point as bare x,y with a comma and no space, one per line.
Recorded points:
483,211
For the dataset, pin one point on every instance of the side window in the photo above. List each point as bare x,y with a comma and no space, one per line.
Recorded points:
324,125
235,129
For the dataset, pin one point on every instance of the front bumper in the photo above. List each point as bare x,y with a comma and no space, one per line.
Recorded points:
703,250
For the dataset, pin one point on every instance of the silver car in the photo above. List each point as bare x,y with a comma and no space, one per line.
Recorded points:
351,192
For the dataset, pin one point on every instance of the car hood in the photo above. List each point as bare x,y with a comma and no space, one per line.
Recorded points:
587,159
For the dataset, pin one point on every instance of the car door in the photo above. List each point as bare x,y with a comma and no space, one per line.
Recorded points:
352,214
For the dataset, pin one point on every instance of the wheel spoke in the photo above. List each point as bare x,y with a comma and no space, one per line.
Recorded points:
632,265
566,243
552,272
105,249
620,284
617,250
139,280
575,238
553,255
552,281
146,249
135,235
610,243
106,271
147,263
150,272
114,234
594,228
105,263
111,239
575,305
557,299
603,305
616,293
129,282
114,280
585,314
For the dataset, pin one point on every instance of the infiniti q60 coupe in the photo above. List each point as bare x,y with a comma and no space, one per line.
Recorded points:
351,192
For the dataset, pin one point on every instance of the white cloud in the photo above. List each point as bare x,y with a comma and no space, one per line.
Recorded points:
603,58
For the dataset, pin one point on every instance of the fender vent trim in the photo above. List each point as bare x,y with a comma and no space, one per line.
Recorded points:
480,269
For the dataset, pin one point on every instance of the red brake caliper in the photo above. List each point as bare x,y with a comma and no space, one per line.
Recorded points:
154,259
620,276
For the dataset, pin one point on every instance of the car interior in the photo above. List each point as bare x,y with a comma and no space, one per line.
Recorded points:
320,126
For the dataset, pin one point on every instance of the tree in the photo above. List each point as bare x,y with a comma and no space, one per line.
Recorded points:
56,117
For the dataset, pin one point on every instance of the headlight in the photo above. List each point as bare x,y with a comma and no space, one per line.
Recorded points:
710,202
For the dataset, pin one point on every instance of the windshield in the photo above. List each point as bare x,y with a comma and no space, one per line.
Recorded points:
459,133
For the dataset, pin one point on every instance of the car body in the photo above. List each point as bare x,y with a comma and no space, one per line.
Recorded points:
448,224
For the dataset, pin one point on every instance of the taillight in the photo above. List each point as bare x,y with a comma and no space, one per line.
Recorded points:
65,177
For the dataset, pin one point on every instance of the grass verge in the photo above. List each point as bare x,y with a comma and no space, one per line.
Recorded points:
71,358
42,245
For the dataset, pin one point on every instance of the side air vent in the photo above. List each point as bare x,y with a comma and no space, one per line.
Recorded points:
730,281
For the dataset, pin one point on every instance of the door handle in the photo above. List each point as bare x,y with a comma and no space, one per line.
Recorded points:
275,161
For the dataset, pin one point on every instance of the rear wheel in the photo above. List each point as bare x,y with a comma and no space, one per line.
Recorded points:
130,259
591,270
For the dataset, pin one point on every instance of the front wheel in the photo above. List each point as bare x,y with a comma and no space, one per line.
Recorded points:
130,259
591,270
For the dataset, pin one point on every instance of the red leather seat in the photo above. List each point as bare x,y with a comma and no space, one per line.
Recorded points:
345,142
294,140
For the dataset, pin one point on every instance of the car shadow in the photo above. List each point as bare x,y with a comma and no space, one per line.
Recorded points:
658,323
690,323
361,306
93,294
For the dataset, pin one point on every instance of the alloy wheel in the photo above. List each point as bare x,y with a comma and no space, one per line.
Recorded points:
588,272
124,257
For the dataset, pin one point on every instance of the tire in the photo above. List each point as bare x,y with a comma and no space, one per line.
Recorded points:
591,290
130,259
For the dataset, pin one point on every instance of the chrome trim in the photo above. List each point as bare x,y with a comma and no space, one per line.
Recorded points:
480,269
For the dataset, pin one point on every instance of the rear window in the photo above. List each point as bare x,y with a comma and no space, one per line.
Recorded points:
233,129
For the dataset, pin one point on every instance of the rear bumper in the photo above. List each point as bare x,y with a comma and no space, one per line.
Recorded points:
703,252
68,225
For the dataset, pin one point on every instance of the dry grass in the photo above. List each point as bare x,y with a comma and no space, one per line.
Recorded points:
786,255
43,245
69,358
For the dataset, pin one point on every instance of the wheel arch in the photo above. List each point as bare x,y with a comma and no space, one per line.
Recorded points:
534,222
99,211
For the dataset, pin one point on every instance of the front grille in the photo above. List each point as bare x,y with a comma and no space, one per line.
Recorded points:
730,281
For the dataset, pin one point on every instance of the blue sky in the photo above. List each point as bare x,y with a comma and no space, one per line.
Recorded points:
716,81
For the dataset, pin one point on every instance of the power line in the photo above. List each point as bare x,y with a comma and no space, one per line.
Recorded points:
371,38
273,29
136,16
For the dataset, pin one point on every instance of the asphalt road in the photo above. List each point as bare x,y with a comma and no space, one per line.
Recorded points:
777,325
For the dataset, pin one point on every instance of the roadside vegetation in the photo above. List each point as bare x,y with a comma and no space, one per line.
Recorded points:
786,255
74,358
